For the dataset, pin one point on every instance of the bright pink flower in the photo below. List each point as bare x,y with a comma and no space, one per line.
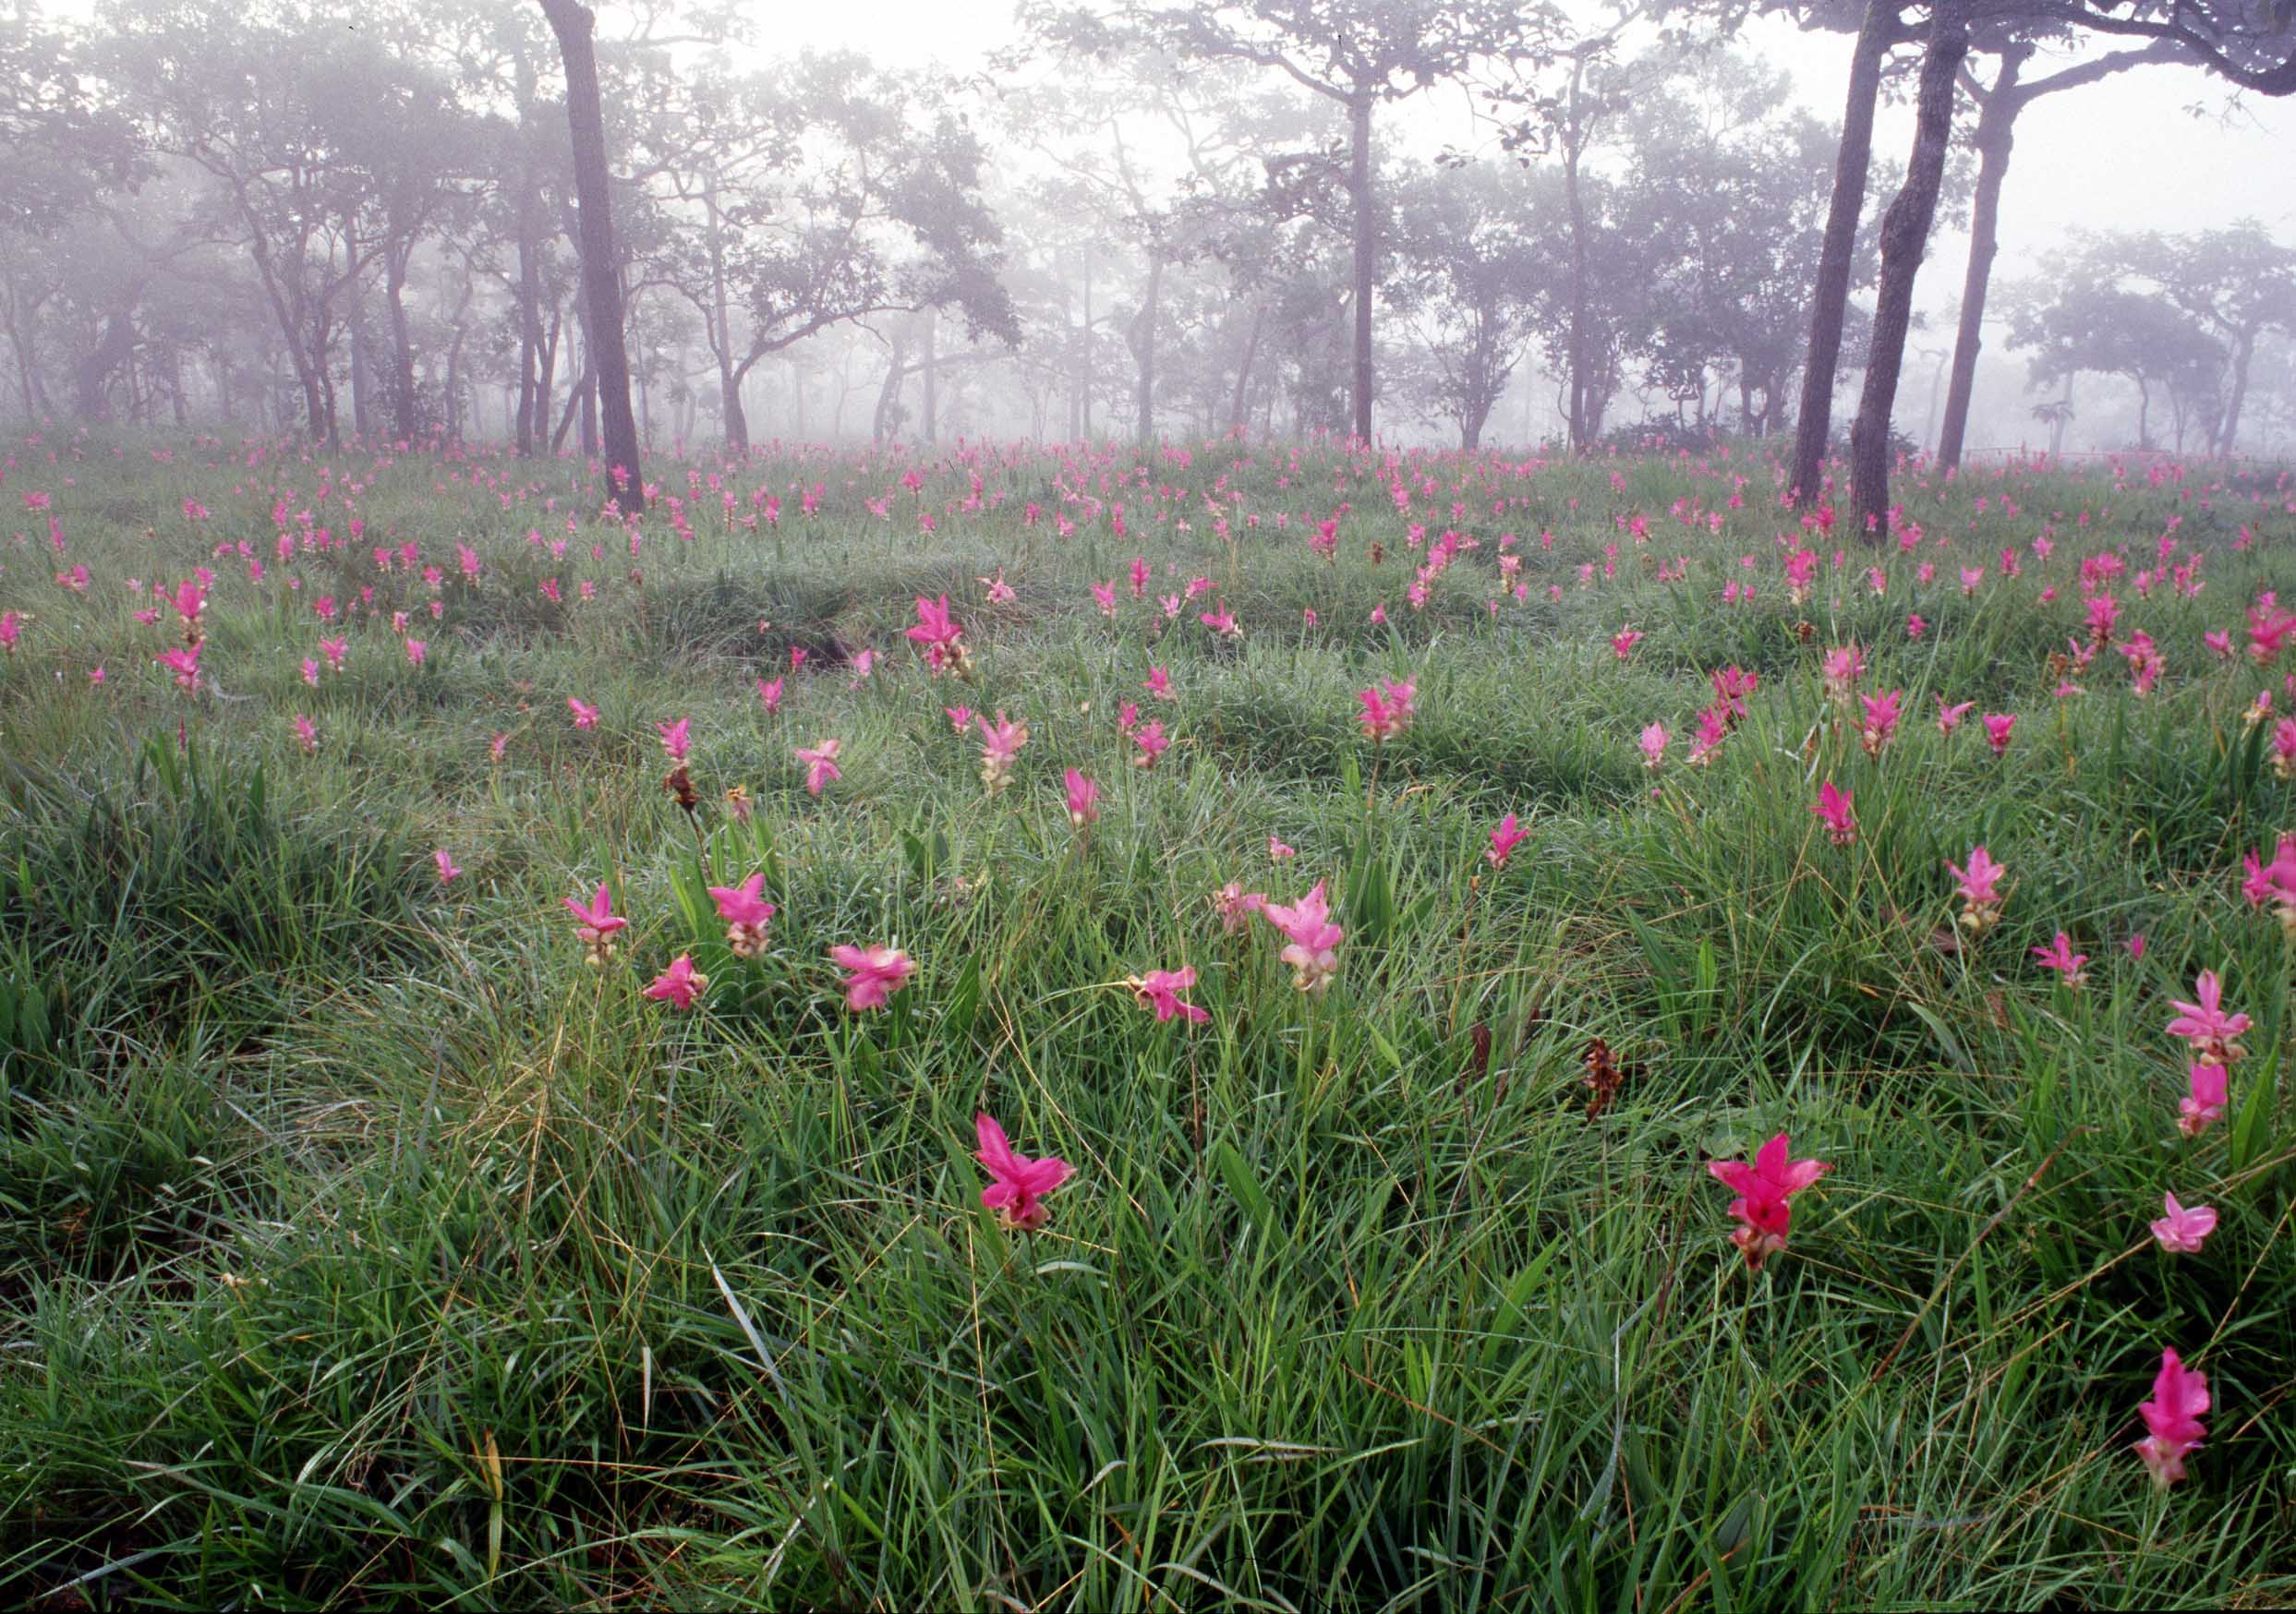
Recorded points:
305,733
445,861
1881,719
2136,945
745,913
417,651
336,651
1388,710
1949,718
1623,643
873,974
1314,939
1980,889
680,985
960,717
675,738
1103,596
1997,727
821,764
769,693
1083,799
938,635
585,715
12,630
1159,685
2182,1230
2205,1024
2179,1396
596,925
1833,806
1765,1189
2208,1092
999,591
1150,738
1504,840
2284,748
1160,990
185,664
2059,956
1020,1184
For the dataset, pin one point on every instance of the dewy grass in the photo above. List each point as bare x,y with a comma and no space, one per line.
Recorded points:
374,1237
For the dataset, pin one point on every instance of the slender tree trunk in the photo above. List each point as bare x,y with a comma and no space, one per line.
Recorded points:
734,418
931,366
1574,202
404,419
1084,353
1366,253
2243,351
1996,136
885,423
1829,296
1143,344
1243,369
573,22
530,318
1904,232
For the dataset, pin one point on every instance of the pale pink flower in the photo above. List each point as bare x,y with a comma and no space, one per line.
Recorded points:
1980,892
2205,1024
1388,710
2208,1091
1623,643
1653,743
1235,905
675,738
2059,956
1314,939
745,913
1949,718
1152,743
446,862
305,733
873,974
1159,685
1000,744
585,715
821,764
1160,989
1277,851
2182,1230
1083,799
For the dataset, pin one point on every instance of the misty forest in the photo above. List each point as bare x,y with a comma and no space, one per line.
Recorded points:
1157,805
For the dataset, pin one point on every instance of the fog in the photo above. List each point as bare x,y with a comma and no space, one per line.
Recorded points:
1569,228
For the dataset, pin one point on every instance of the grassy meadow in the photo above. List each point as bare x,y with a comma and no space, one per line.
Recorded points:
362,1243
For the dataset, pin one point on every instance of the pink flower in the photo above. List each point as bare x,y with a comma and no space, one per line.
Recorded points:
1949,718
769,693
1160,990
1997,727
1844,666
1833,806
1151,742
999,591
821,764
2181,1231
1623,643
1980,883
185,664
2136,945
2179,1396
1277,851
2208,1092
596,925
445,861
1653,743
675,738
1504,840
415,652
1020,1184
11,629
874,974
2273,883
745,913
1235,905
1103,596
680,985
938,634
1000,744
1083,799
2205,1024
307,733
1313,955
1765,1189
2059,956
1881,719
2284,748
960,717
1915,626
1159,685
1388,710
585,715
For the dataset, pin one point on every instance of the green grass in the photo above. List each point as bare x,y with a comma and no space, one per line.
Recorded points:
358,1244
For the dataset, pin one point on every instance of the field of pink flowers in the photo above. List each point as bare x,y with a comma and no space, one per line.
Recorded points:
1237,1025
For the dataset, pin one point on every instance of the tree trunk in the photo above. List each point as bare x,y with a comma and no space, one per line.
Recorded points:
731,414
404,420
1904,233
529,316
1573,199
1829,297
1366,252
1084,355
1243,369
1142,336
92,378
2244,350
573,22
885,422
931,366
1995,134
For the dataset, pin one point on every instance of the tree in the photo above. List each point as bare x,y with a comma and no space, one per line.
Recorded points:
2077,321
602,287
1904,236
2235,282
1356,54
1464,242
1999,106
